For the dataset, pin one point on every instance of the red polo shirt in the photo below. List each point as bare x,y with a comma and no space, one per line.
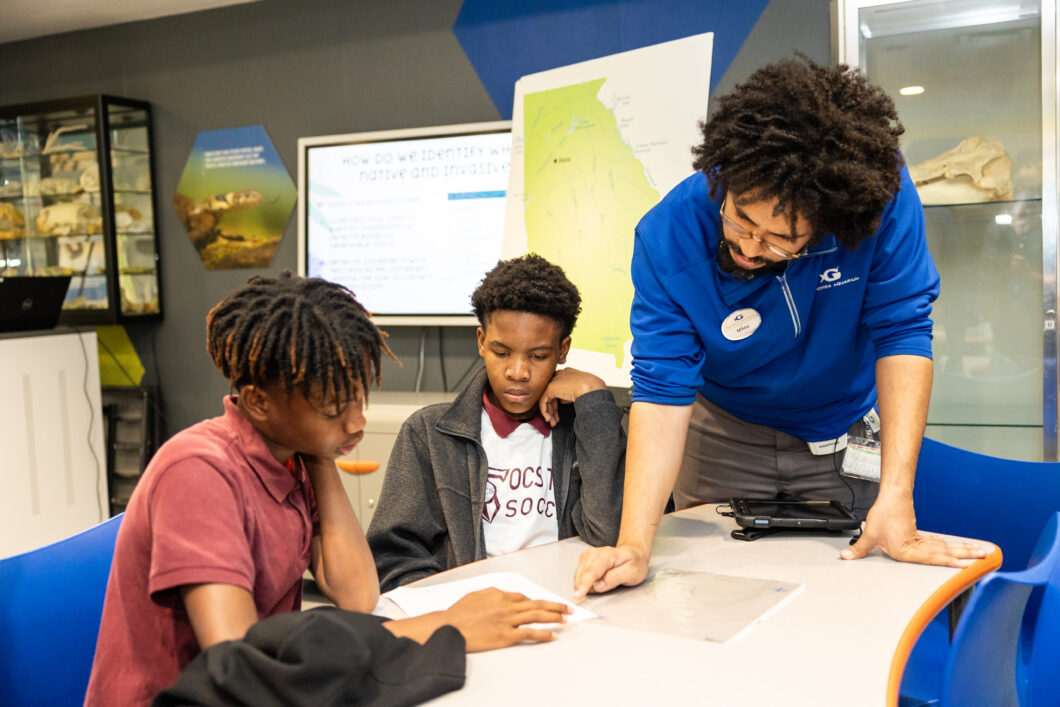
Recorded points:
213,506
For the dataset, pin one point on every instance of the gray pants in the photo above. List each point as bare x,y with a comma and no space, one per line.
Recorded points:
726,457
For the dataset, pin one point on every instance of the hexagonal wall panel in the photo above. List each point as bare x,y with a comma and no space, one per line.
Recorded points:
234,198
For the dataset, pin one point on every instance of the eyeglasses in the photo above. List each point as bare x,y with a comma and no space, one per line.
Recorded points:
743,232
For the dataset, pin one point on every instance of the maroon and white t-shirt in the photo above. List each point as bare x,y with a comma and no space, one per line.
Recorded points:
520,507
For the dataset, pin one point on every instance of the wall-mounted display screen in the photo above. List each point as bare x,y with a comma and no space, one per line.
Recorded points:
410,220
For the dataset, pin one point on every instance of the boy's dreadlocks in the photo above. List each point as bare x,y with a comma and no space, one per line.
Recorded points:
297,332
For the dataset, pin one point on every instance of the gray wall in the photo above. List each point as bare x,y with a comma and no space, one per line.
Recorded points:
298,67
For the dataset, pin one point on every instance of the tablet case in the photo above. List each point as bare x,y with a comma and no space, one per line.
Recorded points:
808,515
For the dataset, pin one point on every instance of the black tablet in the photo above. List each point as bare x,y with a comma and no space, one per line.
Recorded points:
812,515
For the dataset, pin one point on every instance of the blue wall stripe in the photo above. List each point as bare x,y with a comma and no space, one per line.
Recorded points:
506,39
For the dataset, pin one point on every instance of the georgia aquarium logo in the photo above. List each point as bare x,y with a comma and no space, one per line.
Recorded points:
830,279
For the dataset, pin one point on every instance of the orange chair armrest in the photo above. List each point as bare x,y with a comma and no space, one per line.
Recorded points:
938,601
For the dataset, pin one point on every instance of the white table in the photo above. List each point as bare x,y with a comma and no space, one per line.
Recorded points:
833,644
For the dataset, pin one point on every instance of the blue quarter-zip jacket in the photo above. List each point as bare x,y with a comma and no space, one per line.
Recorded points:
809,368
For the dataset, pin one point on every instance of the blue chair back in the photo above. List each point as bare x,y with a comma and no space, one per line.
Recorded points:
977,496
983,667
1042,646
51,601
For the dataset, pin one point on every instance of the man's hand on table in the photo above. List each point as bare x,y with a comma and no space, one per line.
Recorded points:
601,569
891,526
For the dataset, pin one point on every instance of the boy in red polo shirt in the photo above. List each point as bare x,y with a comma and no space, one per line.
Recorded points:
232,511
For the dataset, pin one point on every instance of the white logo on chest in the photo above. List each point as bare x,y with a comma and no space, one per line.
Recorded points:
831,275
830,278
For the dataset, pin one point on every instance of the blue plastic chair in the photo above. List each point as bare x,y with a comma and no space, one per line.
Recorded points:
988,498
973,495
987,666
51,601
983,667
1041,647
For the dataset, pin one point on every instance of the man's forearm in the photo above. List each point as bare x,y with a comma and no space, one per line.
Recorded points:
653,458
903,387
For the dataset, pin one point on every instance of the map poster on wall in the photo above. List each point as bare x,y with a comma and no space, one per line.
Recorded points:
234,198
594,146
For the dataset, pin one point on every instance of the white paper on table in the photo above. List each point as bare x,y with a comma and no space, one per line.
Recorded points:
439,597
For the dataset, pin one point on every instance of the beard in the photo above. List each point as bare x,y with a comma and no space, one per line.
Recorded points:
728,264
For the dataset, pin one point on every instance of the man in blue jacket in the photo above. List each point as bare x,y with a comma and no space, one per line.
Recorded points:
782,297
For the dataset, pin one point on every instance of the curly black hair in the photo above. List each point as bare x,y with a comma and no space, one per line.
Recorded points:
296,332
528,284
821,140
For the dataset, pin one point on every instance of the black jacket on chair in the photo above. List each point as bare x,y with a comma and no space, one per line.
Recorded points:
324,656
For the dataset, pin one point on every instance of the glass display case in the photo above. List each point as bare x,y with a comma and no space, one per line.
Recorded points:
77,198
974,85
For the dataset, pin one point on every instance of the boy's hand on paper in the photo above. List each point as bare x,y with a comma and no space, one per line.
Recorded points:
565,387
491,618
601,569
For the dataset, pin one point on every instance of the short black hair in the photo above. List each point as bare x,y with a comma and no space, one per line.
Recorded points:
296,332
821,140
528,284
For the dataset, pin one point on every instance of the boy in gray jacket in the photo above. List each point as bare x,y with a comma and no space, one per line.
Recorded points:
525,455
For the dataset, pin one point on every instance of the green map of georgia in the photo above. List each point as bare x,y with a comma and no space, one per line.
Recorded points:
585,193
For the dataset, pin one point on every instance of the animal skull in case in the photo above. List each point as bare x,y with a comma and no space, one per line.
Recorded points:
73,217
977,170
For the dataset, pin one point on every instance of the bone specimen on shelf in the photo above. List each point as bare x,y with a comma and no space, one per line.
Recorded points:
81,254
977,170
89,179
51,186
72,217
52,144
71,161
10,148
12,222
129,220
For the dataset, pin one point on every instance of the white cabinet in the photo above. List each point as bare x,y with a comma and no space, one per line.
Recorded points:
385,414
54,473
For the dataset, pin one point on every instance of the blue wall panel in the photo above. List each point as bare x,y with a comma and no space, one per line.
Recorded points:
506,39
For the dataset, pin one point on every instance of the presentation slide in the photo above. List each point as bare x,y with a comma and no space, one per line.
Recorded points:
411,225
